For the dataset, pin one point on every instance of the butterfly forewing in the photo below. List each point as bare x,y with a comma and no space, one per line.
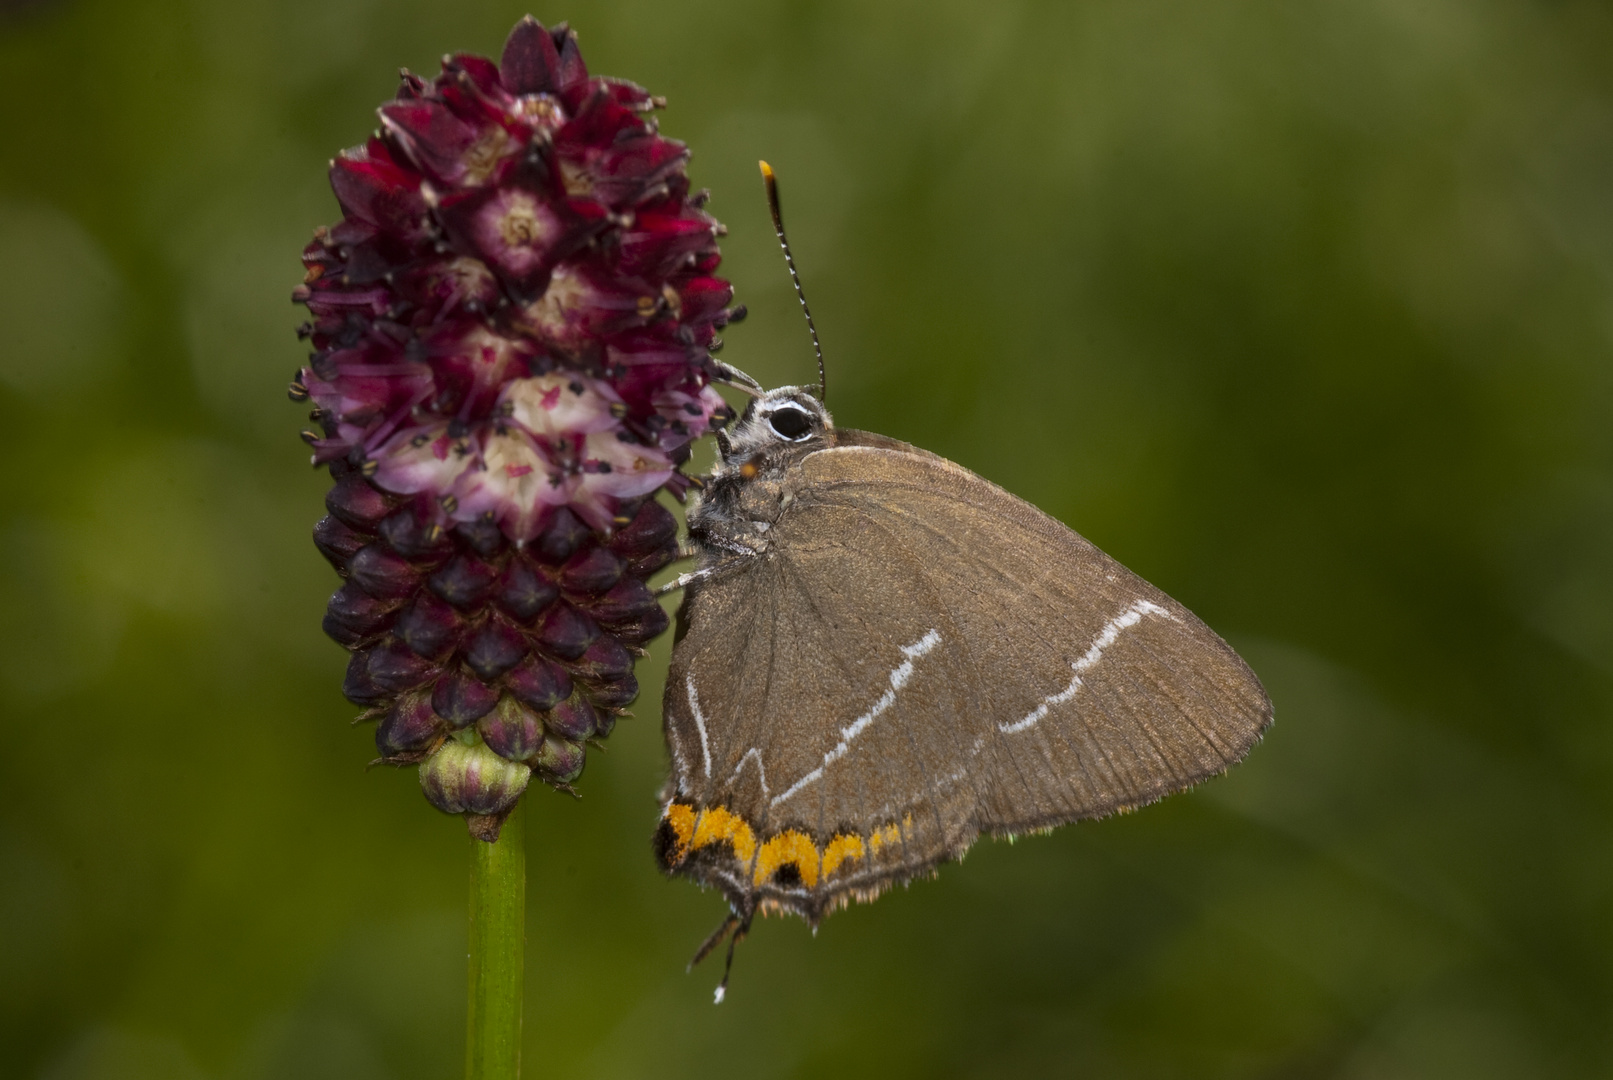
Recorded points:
917,657
1121,688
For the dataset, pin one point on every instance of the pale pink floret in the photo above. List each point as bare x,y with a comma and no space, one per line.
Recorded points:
559,442
516,231
559,404
513,480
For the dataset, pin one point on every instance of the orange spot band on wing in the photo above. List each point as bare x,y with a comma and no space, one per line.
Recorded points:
718,824
789,847
682,819
886,837
843,847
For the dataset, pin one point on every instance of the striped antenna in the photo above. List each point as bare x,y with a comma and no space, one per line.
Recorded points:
789,260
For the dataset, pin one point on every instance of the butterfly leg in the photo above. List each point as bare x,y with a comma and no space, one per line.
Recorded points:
736,554
685,580
729,375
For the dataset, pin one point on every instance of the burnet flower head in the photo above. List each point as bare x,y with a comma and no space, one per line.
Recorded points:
512,328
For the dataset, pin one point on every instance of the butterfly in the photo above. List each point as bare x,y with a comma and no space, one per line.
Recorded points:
880,655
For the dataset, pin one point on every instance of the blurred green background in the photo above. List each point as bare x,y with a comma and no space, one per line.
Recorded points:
1304,310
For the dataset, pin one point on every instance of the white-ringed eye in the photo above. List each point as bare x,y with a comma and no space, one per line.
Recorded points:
790,422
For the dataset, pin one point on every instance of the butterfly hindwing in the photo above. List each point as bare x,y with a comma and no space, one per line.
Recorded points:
787,673
917,657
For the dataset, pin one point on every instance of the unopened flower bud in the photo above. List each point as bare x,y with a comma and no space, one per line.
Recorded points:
409,727
573,718
462,699
560,761
468,778
511,730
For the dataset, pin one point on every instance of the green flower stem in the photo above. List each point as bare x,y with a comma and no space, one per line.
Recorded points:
497,944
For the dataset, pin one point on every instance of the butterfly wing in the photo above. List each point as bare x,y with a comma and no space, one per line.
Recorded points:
918,657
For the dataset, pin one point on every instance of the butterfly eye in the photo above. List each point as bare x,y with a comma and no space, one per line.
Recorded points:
790,423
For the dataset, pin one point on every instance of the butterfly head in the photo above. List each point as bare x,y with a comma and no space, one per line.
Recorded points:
787,418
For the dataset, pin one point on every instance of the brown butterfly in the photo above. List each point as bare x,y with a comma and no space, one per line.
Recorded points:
881,655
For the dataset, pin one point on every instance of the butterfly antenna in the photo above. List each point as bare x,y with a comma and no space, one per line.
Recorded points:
789,260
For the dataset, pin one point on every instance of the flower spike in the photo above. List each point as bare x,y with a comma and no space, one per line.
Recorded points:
512,328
